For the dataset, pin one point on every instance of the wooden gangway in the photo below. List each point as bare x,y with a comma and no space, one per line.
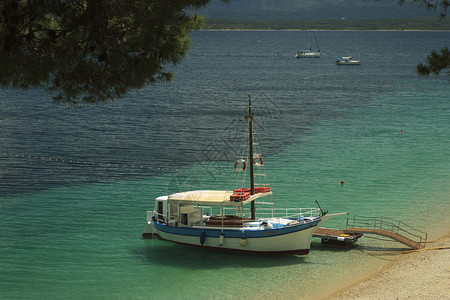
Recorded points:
387,227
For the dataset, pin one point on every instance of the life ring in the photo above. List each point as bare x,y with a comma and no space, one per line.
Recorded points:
258,157
244,165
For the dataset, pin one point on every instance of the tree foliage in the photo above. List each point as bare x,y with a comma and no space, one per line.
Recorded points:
440,5
96,50
436,63
92,49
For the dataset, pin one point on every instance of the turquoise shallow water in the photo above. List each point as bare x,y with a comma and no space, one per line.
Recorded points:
76,183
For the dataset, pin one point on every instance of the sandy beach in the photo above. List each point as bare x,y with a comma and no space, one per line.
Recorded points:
423,274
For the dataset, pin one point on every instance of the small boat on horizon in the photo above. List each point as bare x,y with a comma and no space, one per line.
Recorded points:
347,60
309,53
230,219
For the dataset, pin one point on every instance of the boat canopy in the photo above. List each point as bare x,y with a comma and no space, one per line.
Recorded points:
211,197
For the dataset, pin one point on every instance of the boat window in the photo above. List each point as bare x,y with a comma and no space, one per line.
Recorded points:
184,219
160,210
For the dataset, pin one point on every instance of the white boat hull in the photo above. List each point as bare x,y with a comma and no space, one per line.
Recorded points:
292,239
352,62
308,55
348,60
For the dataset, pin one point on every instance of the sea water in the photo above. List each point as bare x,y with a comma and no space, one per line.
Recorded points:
76,181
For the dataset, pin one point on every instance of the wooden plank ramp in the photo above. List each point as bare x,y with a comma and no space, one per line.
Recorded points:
387,227
357,226
389,234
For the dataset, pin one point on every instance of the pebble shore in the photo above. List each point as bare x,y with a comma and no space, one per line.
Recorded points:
423,274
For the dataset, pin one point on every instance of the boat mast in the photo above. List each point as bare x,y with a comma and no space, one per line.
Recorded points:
249,117
314,36
318,49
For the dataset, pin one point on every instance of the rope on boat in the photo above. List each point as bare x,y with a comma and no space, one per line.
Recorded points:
413,250
88,163
143,168
425,249
59,107
24,115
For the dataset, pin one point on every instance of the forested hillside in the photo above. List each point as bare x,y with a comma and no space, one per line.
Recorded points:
312,9
426,23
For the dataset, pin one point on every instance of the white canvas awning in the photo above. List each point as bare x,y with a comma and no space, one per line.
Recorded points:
210,197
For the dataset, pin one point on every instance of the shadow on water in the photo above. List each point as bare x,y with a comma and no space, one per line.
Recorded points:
374,249
318,246
168,254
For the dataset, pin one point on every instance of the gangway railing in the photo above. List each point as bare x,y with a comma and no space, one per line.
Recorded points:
388,227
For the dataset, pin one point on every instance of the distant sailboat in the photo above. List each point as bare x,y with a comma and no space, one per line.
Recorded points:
349,60
309,53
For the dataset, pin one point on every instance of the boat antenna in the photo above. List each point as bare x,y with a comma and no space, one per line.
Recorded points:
249,118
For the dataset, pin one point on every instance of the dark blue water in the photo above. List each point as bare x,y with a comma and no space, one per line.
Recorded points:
76,182
166,126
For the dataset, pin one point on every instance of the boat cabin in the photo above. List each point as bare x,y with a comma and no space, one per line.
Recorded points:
203,207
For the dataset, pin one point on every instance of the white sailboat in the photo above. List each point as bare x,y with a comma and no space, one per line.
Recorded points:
309,53
230,219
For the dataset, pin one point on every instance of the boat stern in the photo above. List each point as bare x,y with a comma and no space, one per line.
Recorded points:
149,230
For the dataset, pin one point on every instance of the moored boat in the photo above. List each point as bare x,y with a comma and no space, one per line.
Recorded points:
235,220
309,53
347,60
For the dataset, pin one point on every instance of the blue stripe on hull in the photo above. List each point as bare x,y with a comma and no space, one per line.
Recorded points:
233,233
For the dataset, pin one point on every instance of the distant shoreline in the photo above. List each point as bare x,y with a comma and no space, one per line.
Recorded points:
319,30
401,24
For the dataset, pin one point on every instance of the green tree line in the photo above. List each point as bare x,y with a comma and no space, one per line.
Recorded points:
429,23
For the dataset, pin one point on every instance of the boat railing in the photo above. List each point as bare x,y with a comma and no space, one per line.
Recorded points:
149,215
288,213
266,212
388,224
153,213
